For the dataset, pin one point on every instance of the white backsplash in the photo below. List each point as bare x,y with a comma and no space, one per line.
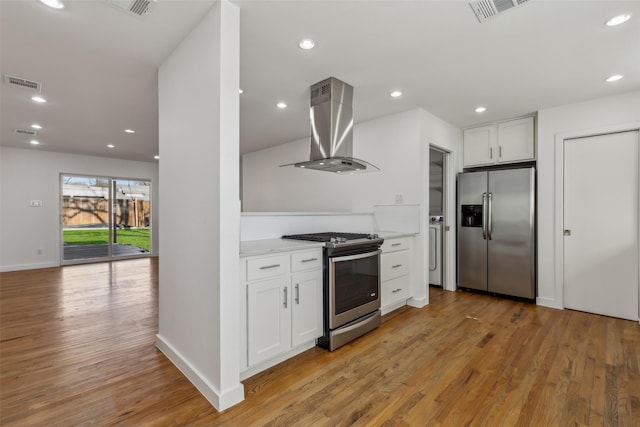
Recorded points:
258,226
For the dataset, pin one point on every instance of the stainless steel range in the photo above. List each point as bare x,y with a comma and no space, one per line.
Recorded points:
351,285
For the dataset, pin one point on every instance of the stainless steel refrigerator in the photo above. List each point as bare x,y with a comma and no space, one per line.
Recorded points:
496,231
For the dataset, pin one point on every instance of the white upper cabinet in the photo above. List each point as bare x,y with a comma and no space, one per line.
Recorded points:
479,145
504,142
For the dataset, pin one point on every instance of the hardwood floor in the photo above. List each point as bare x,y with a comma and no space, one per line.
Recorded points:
77,348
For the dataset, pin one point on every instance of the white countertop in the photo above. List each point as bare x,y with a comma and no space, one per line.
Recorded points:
267,246
394,234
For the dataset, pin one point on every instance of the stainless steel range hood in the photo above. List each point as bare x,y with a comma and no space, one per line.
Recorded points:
331,117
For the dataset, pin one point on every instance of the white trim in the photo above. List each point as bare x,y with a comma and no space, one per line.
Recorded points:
558,227
34,266
549,302
220,401
417,302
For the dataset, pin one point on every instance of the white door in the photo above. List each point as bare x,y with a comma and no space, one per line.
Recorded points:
269,319
601,224
306,307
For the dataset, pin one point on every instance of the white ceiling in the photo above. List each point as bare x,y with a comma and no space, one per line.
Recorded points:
98,65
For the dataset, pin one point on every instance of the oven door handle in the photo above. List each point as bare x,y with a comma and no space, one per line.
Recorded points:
357,256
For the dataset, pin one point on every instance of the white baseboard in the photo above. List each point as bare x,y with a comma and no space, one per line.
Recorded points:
418,302
34,266
548,302
220,401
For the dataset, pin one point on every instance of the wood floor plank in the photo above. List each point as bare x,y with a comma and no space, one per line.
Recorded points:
77,347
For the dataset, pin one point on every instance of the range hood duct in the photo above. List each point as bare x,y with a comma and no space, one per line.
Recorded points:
331,117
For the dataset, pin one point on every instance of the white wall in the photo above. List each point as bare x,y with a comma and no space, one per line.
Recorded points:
32,174
199,144
391,143
587,117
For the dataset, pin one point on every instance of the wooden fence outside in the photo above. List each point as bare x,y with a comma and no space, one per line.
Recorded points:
91,211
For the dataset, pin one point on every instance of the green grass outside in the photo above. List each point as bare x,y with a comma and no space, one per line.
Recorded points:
100,236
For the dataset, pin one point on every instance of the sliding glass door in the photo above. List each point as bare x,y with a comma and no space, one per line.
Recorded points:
104,218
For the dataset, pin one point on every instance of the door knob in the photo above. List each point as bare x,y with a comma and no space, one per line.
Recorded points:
567,232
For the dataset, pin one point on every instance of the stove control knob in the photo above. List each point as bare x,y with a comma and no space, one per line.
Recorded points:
373,236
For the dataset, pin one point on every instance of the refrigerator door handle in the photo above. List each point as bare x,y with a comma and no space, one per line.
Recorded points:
484,216
489,217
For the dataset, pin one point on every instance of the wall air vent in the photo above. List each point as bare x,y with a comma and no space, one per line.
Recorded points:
485,9
134,7
23,83
27,132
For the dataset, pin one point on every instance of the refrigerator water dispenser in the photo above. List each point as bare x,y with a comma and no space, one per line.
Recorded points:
471,215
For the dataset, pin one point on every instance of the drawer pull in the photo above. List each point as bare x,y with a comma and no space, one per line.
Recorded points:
396,244
266,267
396,266
309,260
396,290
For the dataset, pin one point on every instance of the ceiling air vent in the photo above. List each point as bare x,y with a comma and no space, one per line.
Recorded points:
23,83
25,132
134,7
485,9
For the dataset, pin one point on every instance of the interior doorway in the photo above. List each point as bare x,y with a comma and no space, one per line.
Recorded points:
437,216
104,218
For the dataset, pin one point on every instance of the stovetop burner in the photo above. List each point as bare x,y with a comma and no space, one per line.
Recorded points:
340,240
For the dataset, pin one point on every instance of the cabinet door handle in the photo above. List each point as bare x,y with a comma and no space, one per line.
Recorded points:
309,260
499,151
396,266
396,244
266,267
491,152
297,293
396,290
285,297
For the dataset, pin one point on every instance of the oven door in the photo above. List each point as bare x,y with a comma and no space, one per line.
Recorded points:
354,287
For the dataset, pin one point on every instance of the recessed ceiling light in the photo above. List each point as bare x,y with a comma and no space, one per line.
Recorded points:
36,126
34,142
480,110
617,20
614,78
281,105
240,91
395,94
156,157
56,4
39,99
110,145
130,131
306,44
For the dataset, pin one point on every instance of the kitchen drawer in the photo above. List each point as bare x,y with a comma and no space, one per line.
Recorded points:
392,245
306,260
395,290
261,268
394,264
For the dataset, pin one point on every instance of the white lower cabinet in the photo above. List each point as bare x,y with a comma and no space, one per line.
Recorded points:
395,273
268,319
306,307
281,309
